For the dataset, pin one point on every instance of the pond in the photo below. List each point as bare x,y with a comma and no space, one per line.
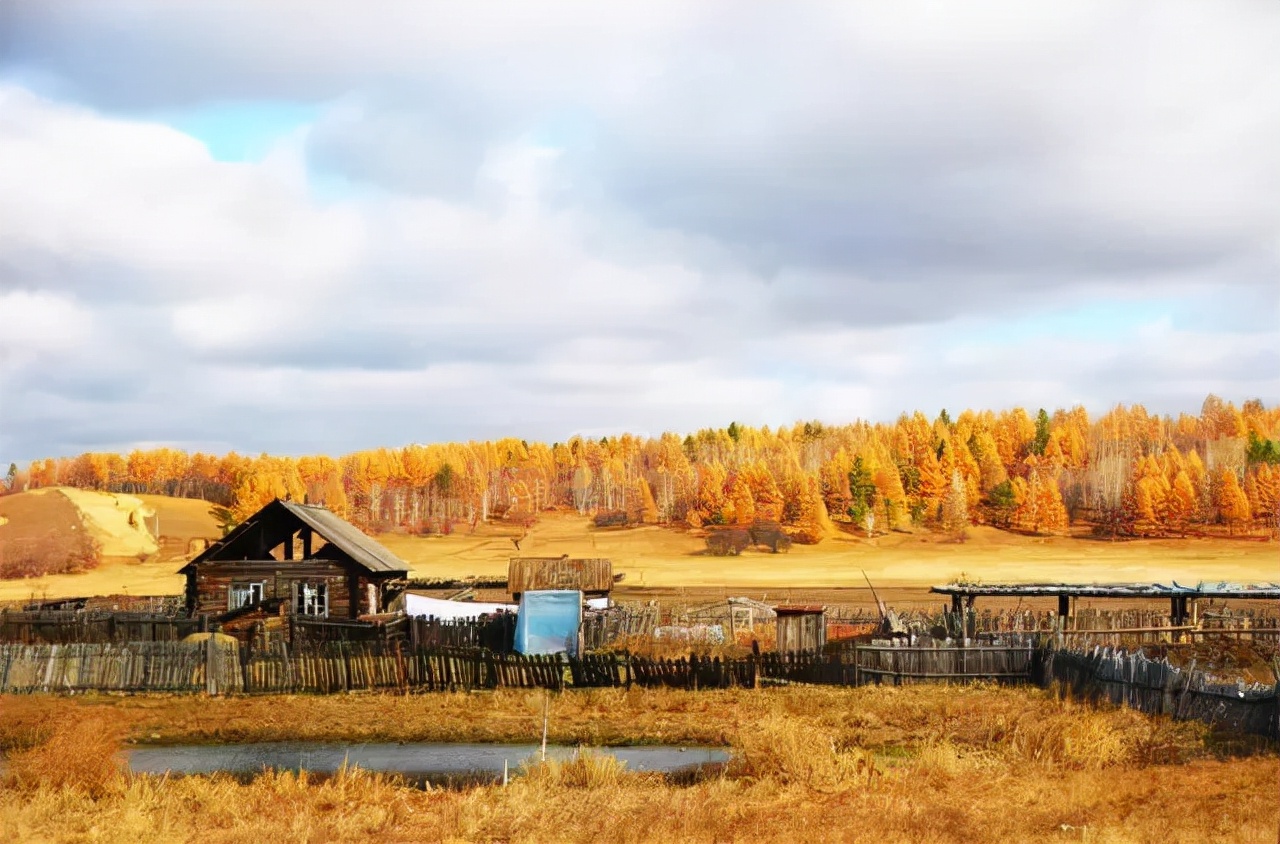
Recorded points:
424,762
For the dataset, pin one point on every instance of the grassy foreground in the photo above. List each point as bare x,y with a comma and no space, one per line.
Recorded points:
869,764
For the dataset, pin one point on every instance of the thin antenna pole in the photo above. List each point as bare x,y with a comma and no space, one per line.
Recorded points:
879,605
546,715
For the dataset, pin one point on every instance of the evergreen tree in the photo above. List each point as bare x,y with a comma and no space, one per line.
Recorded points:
862,491
1260,450
1041,441
1003,501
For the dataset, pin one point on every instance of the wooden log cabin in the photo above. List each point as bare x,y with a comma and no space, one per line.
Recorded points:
299,556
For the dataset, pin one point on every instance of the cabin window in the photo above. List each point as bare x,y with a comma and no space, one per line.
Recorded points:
311,599
244,594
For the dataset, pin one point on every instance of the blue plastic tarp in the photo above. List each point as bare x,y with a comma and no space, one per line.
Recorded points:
548,622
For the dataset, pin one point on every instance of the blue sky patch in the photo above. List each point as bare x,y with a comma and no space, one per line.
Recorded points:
240,131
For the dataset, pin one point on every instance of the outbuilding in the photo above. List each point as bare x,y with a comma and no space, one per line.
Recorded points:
801,629
591,577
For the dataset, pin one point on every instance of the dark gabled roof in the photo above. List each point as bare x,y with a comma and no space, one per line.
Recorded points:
339,533
359,546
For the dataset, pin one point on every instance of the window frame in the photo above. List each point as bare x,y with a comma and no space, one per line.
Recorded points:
311,606
246,589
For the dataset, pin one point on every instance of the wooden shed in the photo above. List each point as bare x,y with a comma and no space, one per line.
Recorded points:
801,629
592,577
301,557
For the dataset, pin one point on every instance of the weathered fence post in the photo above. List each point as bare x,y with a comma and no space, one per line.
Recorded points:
245,653
1191,670
210,655
1275,696
1166,694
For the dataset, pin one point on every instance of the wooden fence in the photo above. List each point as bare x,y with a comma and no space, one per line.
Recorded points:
211,666
601,628
217,666
345,666
494,632
69,626
1156,687
898,665
308,631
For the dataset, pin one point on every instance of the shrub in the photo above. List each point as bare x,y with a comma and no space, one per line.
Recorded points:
791,751
79,756
612,518
54,553
723,543
585,769
770,535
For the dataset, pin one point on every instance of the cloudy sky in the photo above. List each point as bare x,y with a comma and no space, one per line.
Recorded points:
302,227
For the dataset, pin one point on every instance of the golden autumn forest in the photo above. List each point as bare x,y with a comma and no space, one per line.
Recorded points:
1126,473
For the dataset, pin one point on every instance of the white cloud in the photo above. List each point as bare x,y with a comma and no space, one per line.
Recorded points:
663,216
37,324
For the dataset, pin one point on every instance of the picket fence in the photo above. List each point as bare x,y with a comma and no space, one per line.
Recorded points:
218,666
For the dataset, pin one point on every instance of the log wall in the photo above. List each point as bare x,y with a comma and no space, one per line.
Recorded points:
213,582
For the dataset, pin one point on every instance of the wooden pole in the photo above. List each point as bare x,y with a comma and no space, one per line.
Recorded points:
211,685
546,717
1191,670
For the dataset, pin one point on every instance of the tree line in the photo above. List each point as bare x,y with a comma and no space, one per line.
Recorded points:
1126,473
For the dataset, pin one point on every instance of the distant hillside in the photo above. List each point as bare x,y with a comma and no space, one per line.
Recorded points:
61,529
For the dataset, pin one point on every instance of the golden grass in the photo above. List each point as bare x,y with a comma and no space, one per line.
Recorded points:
585,769
668,559
74,755
1026,725
925,763
936,796
654,556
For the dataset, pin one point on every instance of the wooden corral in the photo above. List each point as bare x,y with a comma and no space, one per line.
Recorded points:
1184,601
801,629
302,557
592,577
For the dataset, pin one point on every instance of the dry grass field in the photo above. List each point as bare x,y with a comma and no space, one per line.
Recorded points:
662,562
664,558
917,764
